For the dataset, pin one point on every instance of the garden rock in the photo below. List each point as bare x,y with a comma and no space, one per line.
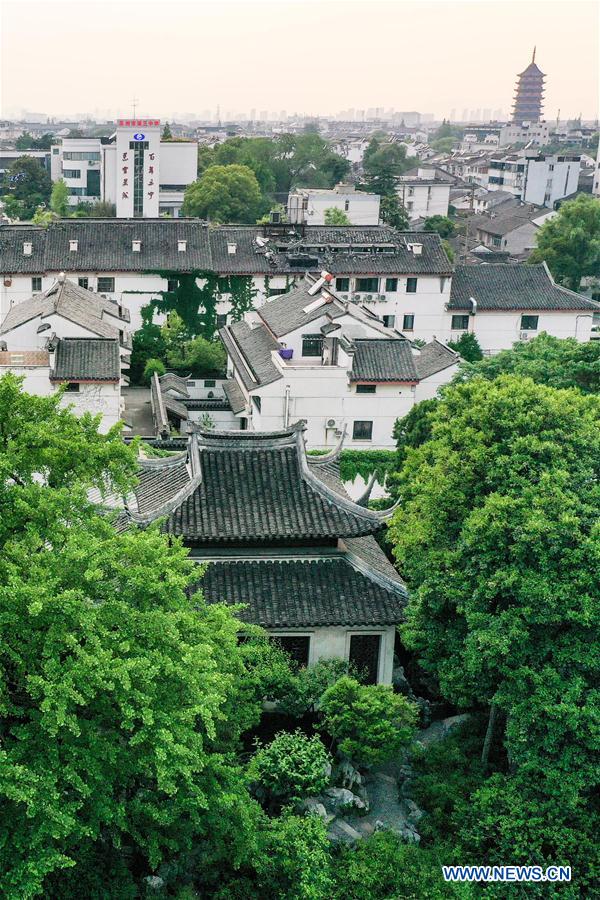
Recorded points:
313,806
348,776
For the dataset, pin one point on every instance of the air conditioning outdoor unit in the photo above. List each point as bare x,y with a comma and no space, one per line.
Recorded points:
343,296
368,297
334,423
524,335
381,296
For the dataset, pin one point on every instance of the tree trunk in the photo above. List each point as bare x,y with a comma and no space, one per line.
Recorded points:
487,743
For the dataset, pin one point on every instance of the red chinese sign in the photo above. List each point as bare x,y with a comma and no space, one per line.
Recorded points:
134,122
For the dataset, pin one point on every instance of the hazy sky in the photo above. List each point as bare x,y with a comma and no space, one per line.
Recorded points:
316,56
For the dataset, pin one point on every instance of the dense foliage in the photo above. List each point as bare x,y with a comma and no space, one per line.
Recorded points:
335,216
570,241
442,225
224,194
468,346
497,534
28,186
291,767
370,723
556,362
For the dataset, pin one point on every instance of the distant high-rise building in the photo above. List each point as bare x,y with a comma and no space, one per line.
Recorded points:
529,96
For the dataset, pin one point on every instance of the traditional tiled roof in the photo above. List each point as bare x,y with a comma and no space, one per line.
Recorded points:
507,218
434,357
520,287
303,593
234,394
287,312
247,487
250,349
383,359
87,359
66,299
105,245
175,383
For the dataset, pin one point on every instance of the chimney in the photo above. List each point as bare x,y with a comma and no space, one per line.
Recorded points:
181,246
231,248
136,246
61,277
417,249
27,248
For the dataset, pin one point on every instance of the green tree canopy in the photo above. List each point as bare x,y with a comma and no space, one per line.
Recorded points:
26,141
441,224
167,134
556,362
570,241
28,186
369,722
224,194
198,357
468,346
59,198
335,216
122,696
498,537
382,167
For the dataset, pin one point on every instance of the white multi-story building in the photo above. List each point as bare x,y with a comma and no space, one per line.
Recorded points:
142,175
539,179
308,205
395,275
525,133
596,183
424,194
308,355
69,336
502,304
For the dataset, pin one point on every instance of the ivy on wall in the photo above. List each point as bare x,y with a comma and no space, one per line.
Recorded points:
241,293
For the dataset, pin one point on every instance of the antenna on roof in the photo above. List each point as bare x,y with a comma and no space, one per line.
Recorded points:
533,57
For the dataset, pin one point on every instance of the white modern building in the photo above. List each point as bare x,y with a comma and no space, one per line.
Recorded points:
596,183
540,179
308,355
69,336
525,133
142,175
425,194
502,304
307,206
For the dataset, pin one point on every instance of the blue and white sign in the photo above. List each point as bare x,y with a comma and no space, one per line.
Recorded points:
139,136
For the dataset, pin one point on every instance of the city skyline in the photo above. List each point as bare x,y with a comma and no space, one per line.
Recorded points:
170,59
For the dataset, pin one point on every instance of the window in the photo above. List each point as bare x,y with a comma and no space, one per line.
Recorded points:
77,192
71,173
210,382
172,284
389,321
366,389
364,655
93,183
36,283
72,387
106,285
257,403
79,155
408,322
529,323
411,285
460,323
391,285
342,284
362,431
312,344
221,320
367,284
138,148
83,282
243,424
297,646
275,292
346,205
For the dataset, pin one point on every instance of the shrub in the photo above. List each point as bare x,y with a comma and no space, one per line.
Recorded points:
291,767
369,722
153,366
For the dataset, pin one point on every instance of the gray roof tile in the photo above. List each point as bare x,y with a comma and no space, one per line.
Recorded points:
251,348
233,392
434,357
302,593
285,312
87,359
72,302
383,359
502,286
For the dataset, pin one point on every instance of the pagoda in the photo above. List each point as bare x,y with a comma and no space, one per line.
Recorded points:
527,106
